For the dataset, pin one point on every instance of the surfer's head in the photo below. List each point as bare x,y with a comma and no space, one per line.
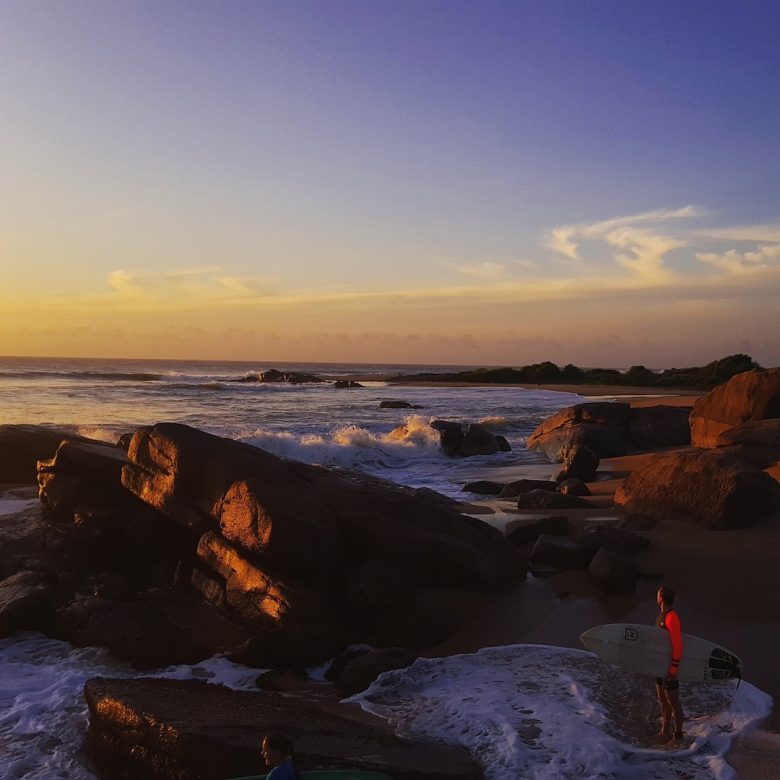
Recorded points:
276,748
665,596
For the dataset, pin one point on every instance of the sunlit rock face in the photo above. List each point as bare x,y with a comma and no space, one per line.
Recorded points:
752,395
713,488
193,729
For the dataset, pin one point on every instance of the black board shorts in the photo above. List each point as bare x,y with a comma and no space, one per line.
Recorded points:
670,685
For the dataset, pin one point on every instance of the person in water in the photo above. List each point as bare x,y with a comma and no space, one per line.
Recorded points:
667,688
277,752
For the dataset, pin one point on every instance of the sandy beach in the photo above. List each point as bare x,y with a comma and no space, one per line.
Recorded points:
723,578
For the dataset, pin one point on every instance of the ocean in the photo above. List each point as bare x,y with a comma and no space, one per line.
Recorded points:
523,711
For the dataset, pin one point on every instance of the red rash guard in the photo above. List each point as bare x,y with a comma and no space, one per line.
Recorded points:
671,623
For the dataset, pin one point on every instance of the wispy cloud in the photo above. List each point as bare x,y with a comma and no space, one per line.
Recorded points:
484,270
642,248
735,262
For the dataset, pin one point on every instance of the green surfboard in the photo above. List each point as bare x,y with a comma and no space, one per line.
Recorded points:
330,774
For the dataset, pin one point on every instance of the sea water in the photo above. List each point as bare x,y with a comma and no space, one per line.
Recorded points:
523,711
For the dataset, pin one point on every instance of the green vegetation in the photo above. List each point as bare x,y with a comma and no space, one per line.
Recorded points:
547,373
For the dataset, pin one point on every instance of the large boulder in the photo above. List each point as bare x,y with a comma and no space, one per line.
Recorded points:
22,446
22,596
152,728
288,529
752,395
712,488
757,441
257,594
363,667
599,426
579,462
651,427
619,540
83,473
478,440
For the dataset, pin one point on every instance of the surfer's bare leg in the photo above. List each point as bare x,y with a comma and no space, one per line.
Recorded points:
674,701
666,712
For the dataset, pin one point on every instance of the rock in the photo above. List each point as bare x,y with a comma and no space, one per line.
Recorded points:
365,667
450,435
294,648
503,444
559,552
395,405
752,395
620,540
287,528
483,487
520,486
600,426
477,440
614,572
255,593
573,487
650,427
579,462
137,632
22,446
378,584
83,474
712,488
636,521
414,626
186,729
757,442
22,597
345,383
557,525
545,499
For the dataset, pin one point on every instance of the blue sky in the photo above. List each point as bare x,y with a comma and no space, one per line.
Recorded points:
420,181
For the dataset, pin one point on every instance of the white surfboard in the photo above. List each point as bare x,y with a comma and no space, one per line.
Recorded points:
646,649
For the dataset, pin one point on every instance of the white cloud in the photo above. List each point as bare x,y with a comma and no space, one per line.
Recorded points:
642,248
756,234
484,270
735,262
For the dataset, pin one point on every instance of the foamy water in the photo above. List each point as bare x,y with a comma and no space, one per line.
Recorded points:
43,715
550,713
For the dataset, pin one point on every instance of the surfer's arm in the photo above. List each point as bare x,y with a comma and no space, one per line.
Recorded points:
675,638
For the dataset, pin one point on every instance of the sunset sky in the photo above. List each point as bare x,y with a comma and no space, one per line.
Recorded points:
481,183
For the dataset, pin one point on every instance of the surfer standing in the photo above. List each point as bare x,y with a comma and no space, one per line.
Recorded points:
668,688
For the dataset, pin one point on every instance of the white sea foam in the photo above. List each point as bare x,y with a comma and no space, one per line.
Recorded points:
550,713
43,715
353,446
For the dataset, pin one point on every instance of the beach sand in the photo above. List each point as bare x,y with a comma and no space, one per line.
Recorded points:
727,585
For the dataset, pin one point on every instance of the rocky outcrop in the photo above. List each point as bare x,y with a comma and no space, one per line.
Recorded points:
483,487
599,426
559,552
361,668
651,427
22,446
579,462
342,384
474,440
573,486
391,404
22,596
712,488
288,377
82,473
607,430
752,395
151,728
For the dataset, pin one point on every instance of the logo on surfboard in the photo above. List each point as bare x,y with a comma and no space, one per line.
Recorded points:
631,635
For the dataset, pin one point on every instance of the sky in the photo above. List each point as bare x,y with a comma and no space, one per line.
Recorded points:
481,183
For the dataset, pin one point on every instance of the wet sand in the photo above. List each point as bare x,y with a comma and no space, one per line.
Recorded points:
728,585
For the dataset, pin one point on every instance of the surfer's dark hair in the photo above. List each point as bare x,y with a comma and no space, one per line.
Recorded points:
667,594
281,743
